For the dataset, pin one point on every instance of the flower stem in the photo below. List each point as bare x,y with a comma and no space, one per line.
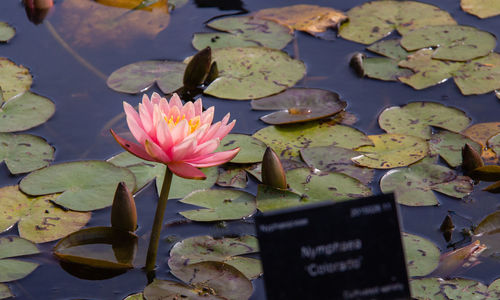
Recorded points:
158,222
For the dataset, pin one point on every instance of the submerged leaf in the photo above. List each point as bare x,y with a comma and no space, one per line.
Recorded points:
13,269
449,146
7,32
24,112
15,79
481,8
422,256
253,72
24,152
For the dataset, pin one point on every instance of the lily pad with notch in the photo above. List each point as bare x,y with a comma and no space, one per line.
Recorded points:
24,112
24,152
219,205
85,185
38,219
449,146
13,269
7,32
140,76
251,149
422,255
297,105
227,250
15,79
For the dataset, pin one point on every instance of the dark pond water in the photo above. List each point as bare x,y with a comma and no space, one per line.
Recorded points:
85,107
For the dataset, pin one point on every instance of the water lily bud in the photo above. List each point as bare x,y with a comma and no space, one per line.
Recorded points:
198,68
357,63
37,10
447,228
123,212
471,159
212,74
273,173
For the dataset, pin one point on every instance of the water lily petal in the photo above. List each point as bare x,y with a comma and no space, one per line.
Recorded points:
188,110
155,98
146,118
208,116
224,130
132,147
185,170
210,133
198,107
164,137
156,152
185,148
175,101
205,148
214,159
180,131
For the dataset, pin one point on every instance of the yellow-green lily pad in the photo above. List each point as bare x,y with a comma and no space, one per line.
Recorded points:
422,256
14,269
166,289
494,144
25,111
479,76
5,292
24,152
251,149
416,119
297,105
453,42
15,79
227,250
414,186
391,151
253,72
219,205
449,146
140,76
481,8
7,32
39,220
286,141
453,289
85,185
374,20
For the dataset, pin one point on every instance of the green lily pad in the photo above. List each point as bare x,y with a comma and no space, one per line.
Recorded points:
7,32
165,289
449,146
453,42
24,152
15,79
219,205
138,296
253,72
39,220
243,32
413,186
140,76
494,144
428,71
230,176
251,149
286,141
225,280
255,170
422,256
389,48
85,185
479,76
25,111
297,105
270,198
146,171
453,289
325,186
335,159
374,20
416,118
13,269
5,292
227,250
391,151
481,8
384,69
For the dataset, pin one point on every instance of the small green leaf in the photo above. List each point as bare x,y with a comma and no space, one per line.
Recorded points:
422,256
24,152
15,79
7,32
25,111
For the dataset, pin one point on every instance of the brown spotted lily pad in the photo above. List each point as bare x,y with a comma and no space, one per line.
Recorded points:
165,289
13,247
383,69
481,133
416,119
297,105
414,185
479,76
481,8
15,79
227,250
37,218
232,176
453,289
449,146
24,152
422,256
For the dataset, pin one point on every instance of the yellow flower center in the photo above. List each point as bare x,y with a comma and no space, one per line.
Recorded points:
194,123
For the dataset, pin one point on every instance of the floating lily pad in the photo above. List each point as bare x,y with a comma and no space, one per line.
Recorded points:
251,149
297,105
5,292
453,42
227,250
140,76
7,32
138,296
422,256
146,171
165,289
39,219
270,198
325,186
25,111
414,185
428,71
481,133
494,144
13,269
389,48
449,146
335,159
479,76
481,8
416,118
15,79
486,173
223,279
286,141
219,205
255,170
309,18
230,176
391,151
24,153
253,72
85,185
374,20
453,289
489,223
243,32
384,69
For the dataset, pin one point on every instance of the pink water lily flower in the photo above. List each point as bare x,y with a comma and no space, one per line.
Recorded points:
180,136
